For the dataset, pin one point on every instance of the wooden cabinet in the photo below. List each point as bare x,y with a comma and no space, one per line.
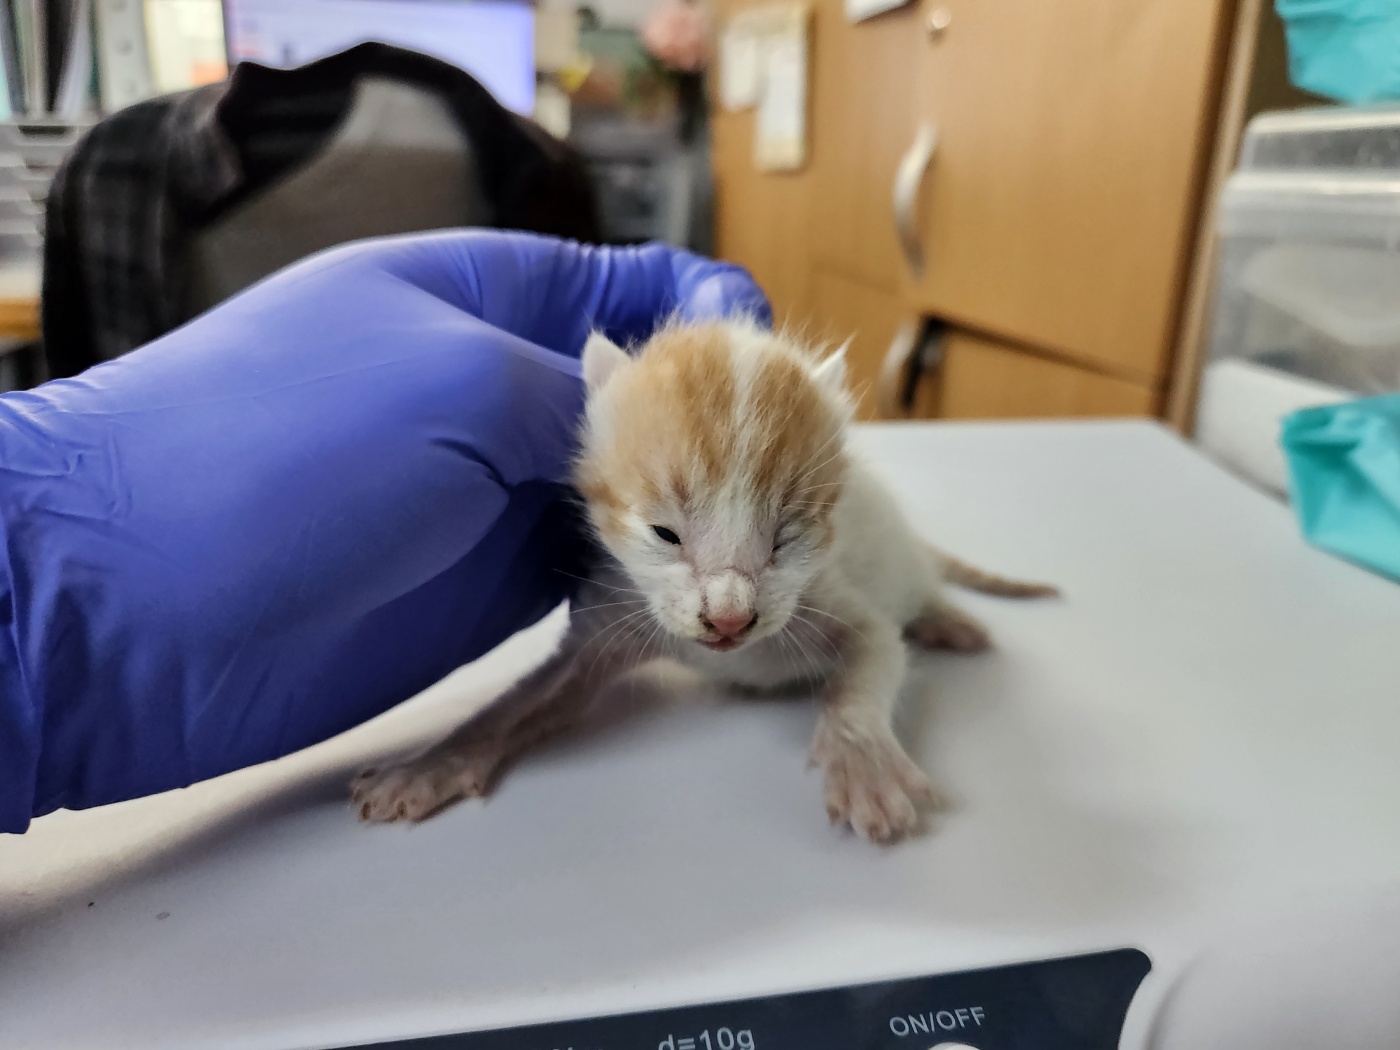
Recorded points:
821,241
981,378
855,287
864,110
761,219
1060,206
1057,222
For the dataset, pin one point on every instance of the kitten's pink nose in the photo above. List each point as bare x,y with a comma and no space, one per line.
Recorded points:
730,625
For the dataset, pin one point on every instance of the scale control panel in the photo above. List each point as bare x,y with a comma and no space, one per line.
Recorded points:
1074,1003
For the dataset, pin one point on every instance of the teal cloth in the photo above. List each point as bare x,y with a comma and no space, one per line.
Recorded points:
1344,49
1344,466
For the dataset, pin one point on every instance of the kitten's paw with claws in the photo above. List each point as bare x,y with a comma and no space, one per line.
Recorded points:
873,786
417,789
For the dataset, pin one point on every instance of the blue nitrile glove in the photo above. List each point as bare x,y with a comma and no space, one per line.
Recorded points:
302,507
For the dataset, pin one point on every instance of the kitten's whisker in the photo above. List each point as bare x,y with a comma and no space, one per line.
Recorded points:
604,641
814,669
815,492
835,435
611,627
822,636
786,642
821,612
810,470
609,587
607,605
614,632
630,641
815,487
782,638
637,646
830,616
813,666
627,637
787,655
658,632
650,649
647,641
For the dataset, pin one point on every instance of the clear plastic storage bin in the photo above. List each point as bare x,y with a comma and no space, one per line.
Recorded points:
1309,279
1307,294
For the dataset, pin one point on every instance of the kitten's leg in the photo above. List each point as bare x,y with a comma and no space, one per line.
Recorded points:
940,624
467,763
871,784
943,626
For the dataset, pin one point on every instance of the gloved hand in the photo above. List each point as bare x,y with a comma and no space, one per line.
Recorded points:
301,508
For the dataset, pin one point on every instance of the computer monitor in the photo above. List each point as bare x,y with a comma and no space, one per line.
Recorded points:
492,40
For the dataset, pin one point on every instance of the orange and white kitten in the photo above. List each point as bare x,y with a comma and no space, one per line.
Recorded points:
741,536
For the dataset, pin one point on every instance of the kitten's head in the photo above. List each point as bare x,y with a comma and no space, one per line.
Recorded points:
710,464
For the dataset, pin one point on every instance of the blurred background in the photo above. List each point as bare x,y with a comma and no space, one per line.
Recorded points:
1187,209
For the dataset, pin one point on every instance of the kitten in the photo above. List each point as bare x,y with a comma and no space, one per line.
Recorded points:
739,535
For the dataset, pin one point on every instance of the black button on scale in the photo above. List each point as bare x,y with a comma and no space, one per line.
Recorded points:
1074,1003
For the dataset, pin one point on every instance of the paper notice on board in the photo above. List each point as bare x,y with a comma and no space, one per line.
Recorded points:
740,67
780,142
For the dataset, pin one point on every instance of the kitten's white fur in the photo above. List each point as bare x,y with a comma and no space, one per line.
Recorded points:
832,616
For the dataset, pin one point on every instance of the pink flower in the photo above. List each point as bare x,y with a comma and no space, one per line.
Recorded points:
678,35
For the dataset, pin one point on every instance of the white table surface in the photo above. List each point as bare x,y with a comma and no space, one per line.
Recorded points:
1205,729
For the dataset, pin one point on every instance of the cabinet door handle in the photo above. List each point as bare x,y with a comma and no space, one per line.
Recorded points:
908,177
893,380
915,351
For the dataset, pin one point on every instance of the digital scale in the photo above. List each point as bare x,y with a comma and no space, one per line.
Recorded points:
1063,1004
1175,824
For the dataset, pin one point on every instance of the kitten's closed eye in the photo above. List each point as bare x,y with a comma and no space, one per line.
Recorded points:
666,534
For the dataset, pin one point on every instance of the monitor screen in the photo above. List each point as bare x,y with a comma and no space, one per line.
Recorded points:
493,41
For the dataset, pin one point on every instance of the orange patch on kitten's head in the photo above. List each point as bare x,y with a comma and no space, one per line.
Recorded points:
707,411
711,464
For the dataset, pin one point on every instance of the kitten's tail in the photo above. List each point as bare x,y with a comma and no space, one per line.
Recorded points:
974,579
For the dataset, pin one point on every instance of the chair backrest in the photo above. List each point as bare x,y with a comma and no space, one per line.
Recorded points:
171,205
398,163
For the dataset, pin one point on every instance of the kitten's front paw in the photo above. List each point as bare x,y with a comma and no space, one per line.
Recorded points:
872,785
415,790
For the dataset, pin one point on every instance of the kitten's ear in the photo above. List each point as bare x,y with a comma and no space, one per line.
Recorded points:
601,358
831,373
